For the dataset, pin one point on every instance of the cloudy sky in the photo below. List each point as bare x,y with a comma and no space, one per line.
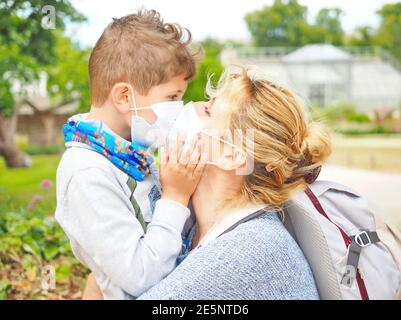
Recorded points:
217,18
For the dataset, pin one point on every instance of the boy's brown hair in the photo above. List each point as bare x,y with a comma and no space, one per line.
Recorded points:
142,50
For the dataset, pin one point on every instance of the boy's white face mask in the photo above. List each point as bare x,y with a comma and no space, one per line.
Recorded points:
153,134
189,123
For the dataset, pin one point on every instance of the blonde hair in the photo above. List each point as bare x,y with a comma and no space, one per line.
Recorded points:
286,147
142,50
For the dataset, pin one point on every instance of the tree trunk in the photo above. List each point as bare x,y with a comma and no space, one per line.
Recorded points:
8,149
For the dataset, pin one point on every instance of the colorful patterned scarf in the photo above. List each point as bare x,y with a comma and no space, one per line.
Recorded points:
131,158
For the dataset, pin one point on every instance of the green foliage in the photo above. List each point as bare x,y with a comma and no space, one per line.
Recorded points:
210,65
30,238
341,116
68,78
285,23
378,129
7,99
21,24
13,66
281,24
389,33
25,46
5,287
32,232
363,36
22,142
329,22
345,119
35,149
29,241
333,112
358,118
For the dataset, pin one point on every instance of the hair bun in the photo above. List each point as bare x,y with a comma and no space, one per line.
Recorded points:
316,145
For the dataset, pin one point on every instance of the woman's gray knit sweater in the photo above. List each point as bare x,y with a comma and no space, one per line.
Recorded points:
257,260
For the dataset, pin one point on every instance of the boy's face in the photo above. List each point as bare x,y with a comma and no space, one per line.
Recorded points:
170,91
120,100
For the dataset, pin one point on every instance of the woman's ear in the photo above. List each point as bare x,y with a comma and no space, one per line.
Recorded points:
233,159
121,97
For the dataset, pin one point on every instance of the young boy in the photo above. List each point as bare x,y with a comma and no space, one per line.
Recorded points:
120,228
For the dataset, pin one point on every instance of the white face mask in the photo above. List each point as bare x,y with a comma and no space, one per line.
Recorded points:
154,135
189,123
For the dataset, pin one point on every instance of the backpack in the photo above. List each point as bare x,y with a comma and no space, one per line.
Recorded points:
352,252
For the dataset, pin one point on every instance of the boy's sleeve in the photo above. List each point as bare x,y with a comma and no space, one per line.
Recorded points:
102,221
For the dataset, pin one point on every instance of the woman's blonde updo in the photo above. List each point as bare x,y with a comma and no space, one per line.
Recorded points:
287,149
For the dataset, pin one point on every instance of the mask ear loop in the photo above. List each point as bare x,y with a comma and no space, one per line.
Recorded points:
135,109
223,141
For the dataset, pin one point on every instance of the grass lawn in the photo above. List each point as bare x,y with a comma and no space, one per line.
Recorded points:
18,186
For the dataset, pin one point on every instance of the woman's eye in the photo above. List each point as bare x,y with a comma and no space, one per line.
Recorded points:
207,111
208,106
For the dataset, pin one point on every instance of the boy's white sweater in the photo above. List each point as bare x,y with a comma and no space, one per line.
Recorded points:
94,209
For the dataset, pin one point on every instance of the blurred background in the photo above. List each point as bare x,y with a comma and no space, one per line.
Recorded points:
342,57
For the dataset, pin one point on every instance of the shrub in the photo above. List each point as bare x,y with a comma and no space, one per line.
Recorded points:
364,131
333,112
22,142
358,117
35,149
30,241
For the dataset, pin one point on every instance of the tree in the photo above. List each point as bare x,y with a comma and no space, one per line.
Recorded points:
282,24
328,20
68,79
389,31
285,24
27,45
209,66
363,36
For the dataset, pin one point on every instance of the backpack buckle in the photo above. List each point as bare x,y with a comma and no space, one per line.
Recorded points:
362,239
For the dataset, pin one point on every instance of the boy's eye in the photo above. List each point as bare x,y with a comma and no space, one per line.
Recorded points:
173,97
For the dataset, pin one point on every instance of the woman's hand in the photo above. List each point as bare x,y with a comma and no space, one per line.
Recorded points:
181,167
92,290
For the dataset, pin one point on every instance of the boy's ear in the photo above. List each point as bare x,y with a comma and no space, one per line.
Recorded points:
121,97
232,160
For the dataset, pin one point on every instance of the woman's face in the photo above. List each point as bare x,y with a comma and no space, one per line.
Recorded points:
214,115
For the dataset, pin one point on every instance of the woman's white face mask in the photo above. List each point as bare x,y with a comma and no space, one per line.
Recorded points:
153,134
190,124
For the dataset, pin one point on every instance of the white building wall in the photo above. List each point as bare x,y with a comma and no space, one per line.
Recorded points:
375,85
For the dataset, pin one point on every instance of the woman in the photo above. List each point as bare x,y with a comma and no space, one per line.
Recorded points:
255,259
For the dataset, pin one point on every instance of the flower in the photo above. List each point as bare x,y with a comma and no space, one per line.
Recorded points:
46,184
36,198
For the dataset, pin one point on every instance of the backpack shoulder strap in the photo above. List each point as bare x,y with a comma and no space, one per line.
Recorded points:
245,219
